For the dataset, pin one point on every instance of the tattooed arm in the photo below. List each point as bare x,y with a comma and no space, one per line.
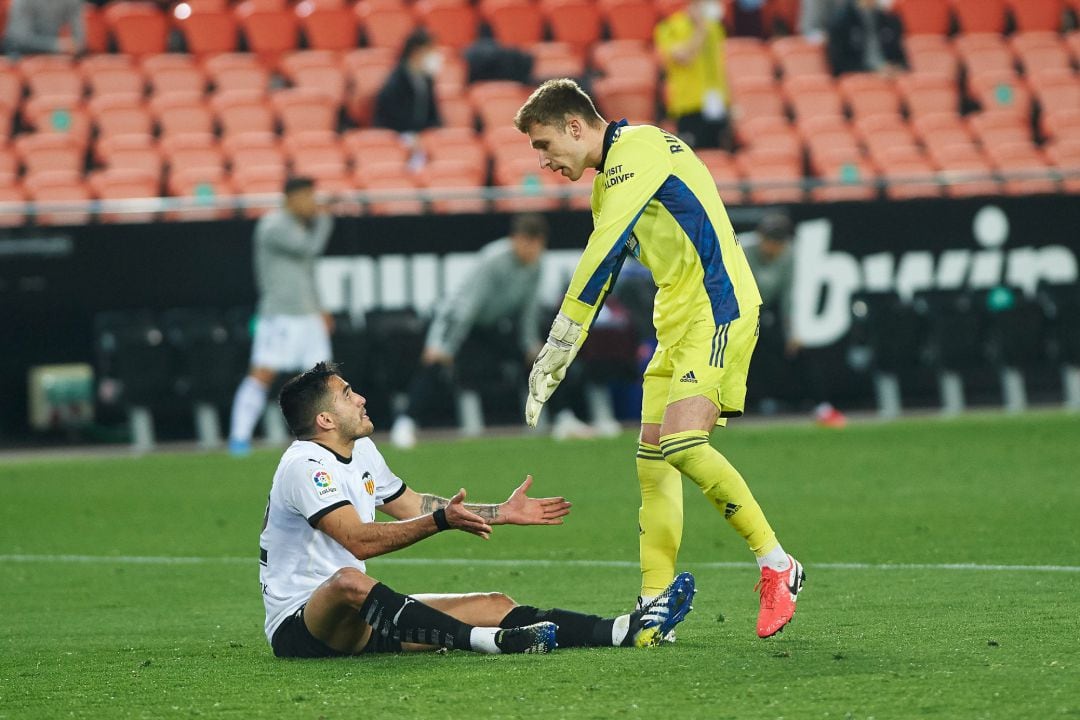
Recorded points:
519,509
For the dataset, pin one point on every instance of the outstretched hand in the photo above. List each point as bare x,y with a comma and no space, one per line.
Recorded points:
520,509
460,518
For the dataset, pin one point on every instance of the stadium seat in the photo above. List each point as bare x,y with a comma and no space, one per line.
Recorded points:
629,19
1042,57
980,16
452,23
112,75
179,113
316,70
1072,41
202,188
797,56
57,187
574,22
517,23
7,124
1023,168
385,25
924,17
49,152
773,182
368,69
254,149
927,93
120,115
556,60
139,28
987,60
940,128
304,108
761,99
966,175
1064,156
898,143
910,177
852,179
453,176
526,178
58,116
95,28
384,179
124,184
270,32
316,153
633,99
237,71
51,76
260,180
11,193
173,73
1062,125
748,58
1001,92
328,26
1030,15
242,111
923,58
812,96
780,139
206,31
129,152
999,126
11,84
484,94
193,152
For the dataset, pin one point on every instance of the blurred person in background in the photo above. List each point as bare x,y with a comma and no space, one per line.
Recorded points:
35,26
292,329
406,102
691,46
769,252
864,36
814,17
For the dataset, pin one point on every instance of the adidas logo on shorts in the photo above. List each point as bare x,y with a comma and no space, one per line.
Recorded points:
689,377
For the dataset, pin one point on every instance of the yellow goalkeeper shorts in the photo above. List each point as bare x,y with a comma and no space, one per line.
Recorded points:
709,361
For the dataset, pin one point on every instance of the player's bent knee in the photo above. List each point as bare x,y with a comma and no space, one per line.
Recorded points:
500,602
351,585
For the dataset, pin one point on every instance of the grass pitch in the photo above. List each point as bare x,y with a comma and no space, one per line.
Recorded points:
941,558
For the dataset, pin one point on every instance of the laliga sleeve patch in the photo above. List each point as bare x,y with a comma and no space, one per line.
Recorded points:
324,484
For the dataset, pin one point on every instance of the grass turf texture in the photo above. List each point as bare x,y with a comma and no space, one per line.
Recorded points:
128,639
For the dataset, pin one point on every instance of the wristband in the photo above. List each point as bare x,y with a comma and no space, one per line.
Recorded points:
440,519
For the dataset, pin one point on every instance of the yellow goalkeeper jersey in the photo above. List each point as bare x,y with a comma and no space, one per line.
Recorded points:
653,198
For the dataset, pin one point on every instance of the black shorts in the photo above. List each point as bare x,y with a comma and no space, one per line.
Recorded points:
292,639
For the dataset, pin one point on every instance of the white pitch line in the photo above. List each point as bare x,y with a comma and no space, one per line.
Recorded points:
525,562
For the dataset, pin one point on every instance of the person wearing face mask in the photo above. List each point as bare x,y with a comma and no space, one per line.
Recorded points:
864,36
691,46
406,102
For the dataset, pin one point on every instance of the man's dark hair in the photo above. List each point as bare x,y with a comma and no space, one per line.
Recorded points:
417,39
305,396
532,225
298,182
553,102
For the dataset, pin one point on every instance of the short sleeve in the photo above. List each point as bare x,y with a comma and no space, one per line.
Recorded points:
311,489
388,486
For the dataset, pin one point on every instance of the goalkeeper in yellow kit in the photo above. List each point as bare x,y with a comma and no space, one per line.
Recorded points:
654,199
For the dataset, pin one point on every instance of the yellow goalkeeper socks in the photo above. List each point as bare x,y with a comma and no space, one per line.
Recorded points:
660,519
691,454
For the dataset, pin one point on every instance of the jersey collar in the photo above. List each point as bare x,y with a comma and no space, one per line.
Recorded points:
340,458
610,135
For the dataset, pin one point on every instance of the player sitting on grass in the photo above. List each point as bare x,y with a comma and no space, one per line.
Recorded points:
320,528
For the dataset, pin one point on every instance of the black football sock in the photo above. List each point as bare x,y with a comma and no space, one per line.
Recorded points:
575,629
393,615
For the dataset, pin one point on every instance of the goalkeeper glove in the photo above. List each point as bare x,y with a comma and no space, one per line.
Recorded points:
549,368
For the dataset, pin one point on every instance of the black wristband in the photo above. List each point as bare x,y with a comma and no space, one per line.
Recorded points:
440,519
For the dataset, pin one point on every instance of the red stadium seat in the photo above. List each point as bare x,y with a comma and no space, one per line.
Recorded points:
173,73
57,116
525,177
575,22
629,19
924,17
313,75
385,25
139,28
258,181
455,177
58,187
368,69
980,16
12,193
993,128
202,187
52,76
1072,41
112,75
927,93
931,57
206,31
237,71
180,113
11,85
1062,125
130,152
1024,170
772,182
633,99
452,23
315,153
390,179
270,31
868,94
1036,14
798,56
1001,92
255,149
328,26
96,29
749,58
1065,157
556,60
49,152
301,109
845,178
193,152
120,115
513,22
811,96
981,61
968,176
762,99
242,111
909,178
1045,57
124,184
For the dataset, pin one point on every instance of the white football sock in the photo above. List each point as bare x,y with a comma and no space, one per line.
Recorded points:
776,559
482,640
619,630
247,406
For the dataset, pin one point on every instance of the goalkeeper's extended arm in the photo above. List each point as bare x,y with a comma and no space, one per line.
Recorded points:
549,368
